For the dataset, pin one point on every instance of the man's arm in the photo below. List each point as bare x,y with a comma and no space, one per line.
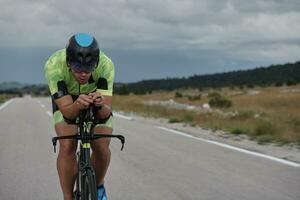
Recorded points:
70,109
104,88
105,111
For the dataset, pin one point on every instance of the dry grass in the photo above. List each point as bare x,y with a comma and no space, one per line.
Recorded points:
5,97
268,116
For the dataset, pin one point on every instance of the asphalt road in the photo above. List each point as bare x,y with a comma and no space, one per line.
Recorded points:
155,164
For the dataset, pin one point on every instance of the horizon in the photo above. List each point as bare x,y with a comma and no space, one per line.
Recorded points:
186,77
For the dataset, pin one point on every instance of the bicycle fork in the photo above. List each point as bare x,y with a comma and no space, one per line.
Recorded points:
84,164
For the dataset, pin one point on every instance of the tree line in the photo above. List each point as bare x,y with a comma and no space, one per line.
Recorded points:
34,90
277,75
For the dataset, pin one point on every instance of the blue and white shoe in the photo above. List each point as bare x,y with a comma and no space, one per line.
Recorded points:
101,193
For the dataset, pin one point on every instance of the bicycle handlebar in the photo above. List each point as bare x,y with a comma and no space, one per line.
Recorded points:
88,137
87,115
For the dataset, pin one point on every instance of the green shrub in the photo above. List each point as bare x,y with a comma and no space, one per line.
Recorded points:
278,84
214,95
178,95
291,82
216,100
264,128
281,142
174,120
238,131
140,92
188,118
295,124
193,124
264,139
194,98
298,143
200,89
250,86
243,115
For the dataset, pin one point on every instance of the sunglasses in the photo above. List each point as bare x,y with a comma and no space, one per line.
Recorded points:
78,67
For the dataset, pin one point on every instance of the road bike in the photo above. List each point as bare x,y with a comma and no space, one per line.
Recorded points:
85,185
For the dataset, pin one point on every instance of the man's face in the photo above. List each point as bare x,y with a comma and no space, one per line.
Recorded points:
82,77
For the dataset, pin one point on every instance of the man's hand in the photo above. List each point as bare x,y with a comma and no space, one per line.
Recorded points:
83,101
97,98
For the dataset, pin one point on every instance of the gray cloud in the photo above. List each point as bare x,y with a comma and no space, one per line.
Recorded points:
256,31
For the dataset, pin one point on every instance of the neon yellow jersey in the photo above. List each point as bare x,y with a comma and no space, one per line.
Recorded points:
101,80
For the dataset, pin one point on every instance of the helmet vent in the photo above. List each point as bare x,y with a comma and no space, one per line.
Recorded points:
88,57
80,57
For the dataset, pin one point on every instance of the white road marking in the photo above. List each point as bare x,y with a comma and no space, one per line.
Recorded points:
5,104
122,116
49,113
290,163
43,106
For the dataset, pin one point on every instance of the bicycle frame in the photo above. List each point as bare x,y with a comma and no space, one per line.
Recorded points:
85,126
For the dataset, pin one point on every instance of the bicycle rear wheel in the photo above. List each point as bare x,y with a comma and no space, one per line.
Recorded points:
89,190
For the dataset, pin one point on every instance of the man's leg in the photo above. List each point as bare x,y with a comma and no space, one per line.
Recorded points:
66,160
101,154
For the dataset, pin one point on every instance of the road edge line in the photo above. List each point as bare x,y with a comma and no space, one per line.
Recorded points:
6,103
122,116
282,161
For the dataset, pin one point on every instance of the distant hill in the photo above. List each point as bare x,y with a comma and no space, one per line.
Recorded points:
263,76
19,88
11,85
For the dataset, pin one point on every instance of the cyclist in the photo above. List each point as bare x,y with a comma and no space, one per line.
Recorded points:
78,76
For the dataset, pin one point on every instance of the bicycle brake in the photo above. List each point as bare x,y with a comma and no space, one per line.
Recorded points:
54,141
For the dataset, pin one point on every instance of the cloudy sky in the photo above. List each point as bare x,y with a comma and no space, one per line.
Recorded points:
151,39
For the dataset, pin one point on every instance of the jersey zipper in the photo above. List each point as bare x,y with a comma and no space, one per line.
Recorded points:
78,89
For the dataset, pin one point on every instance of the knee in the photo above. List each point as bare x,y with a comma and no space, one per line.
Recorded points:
101,146
101,150
67,148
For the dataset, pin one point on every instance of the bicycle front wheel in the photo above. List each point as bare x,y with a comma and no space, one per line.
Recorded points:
89,190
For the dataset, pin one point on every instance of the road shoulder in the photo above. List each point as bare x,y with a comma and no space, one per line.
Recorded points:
286,152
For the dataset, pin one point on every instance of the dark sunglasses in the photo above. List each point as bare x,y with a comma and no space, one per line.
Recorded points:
77,67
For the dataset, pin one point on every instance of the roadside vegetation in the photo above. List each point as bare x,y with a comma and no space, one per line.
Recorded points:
5,97
265,114
14,89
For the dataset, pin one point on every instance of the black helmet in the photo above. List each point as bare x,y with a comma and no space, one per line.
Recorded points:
82,52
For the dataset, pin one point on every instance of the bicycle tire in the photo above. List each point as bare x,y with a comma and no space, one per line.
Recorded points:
89,190
77,193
